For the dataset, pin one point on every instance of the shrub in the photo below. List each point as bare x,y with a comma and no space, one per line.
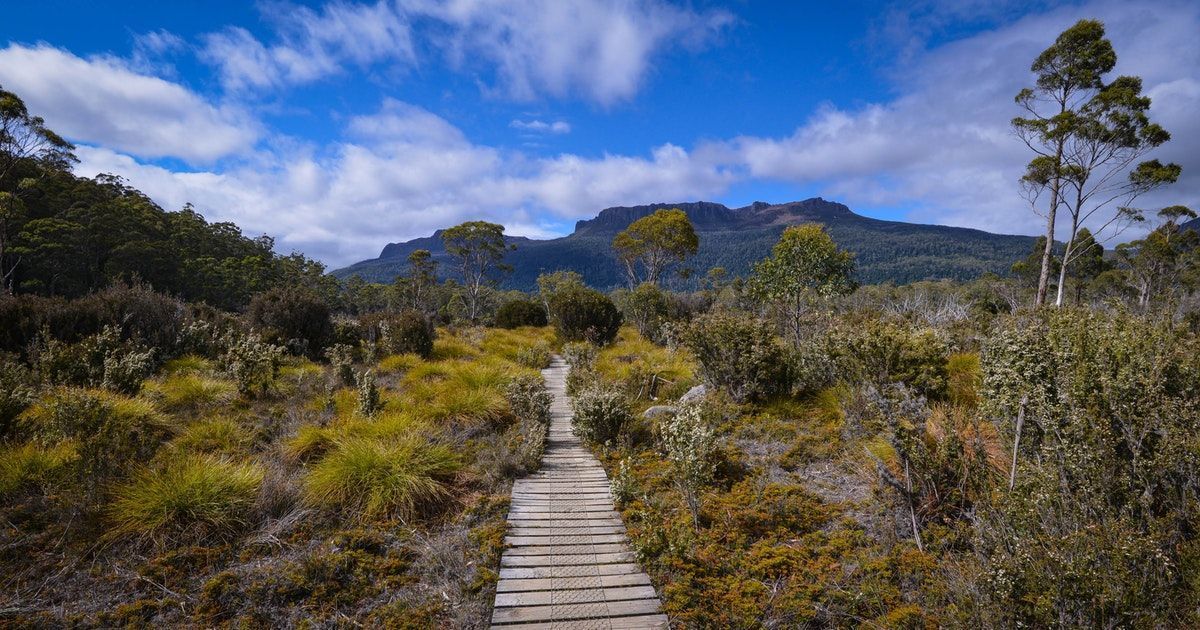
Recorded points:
884,353
29,465
581,359
408,331
583,314
376,478
16,393
293,317
253,364
601,413
530,403
536,357
690,445
739,355
192,496
517,313
109,432
101,360
369,403
341,359
647,307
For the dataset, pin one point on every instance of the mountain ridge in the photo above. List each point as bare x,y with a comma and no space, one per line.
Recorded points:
735,238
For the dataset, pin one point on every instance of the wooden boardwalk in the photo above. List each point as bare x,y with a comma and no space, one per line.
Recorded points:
569,564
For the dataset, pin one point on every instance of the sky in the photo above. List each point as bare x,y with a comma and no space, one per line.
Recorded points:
338,127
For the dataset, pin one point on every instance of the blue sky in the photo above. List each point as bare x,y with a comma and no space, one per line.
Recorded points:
338,127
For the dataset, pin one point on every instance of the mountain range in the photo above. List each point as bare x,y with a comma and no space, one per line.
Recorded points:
736,238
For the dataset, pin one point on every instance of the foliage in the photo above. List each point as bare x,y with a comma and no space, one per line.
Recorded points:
885,352
293,317
600,414
653,243
377,478
369,402
806,265
190,392
108,432
408,331
252,363
341,359
101,360
583,314
536,356
17,392
530,402
517,313
690,446
189,497
479,248
646,307
739,355
581,361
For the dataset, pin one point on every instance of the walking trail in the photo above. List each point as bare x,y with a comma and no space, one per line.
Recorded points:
569,564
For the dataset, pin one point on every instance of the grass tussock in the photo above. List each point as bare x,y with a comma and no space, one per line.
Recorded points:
29,465
188,364
379,478
188,496
398,363
190,392
214,435
644,369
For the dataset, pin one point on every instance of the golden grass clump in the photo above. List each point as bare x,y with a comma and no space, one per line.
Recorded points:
191,495
398,363
373,478
27,465
188,364
190,391
632,361
214,435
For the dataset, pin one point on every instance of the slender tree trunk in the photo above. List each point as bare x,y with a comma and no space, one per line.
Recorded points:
912,510
1062,273
1012,472
1048,252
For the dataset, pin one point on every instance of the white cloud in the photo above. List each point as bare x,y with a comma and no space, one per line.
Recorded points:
311,45
600,50
408,173
944,148
540,126
102,101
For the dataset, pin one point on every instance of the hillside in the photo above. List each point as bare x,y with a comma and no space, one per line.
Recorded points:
736,238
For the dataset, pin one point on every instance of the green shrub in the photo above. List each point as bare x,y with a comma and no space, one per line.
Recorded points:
647,307
109,432
28,465
517,313
253,364
292,317
341,359
406,332
378,478
369,402
581,359
530,403
884,353
536,356
691,445
738,354
583,314
189,497
17,392
100,360
601,413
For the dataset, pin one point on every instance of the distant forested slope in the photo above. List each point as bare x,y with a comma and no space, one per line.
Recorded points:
736,238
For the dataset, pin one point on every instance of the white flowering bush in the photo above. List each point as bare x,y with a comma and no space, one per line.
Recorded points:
690,445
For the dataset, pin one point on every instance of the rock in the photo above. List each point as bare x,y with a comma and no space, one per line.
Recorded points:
694,394
659,410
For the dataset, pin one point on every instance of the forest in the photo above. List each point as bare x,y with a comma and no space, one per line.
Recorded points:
198,431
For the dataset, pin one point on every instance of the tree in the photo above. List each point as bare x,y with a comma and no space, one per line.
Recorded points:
1087,264
1112,132
805,267
1165,259
479,248
28,150
1067,72
549,284
417,286
655,242
1027,270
